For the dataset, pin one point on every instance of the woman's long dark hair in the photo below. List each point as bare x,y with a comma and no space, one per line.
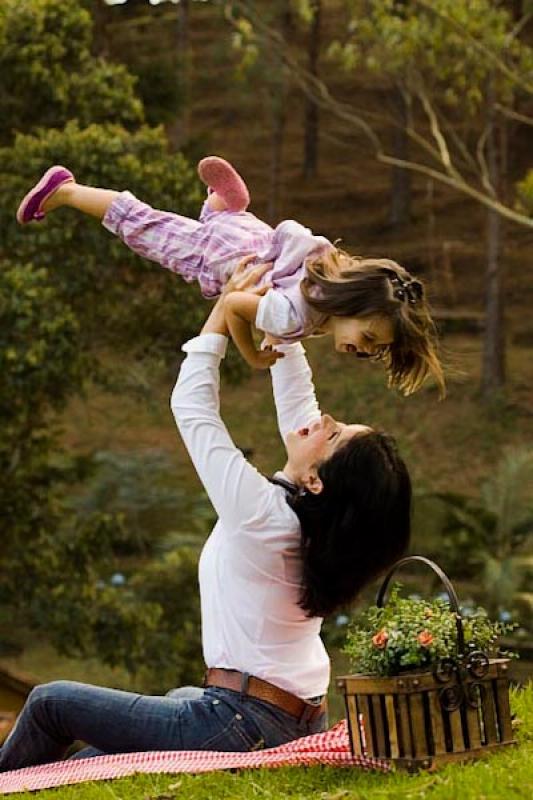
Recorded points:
357,526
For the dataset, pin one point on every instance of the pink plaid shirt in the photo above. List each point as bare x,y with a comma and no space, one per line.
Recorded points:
208,251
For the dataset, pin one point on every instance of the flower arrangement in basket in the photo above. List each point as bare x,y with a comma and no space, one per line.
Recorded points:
425,689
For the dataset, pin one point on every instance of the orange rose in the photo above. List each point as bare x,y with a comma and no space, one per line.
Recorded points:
425,638
380,639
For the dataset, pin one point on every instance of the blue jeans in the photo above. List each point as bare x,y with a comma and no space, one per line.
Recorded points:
111,721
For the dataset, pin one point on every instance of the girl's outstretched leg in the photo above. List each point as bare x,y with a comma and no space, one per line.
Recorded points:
87,199
56,188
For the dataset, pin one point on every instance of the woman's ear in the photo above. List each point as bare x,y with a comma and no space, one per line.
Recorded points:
312,482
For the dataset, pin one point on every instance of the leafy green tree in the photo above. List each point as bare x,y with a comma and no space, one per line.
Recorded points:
91,120
55,552
108,286
525,193
51,559
490,535
458,63
40,366
150,624
49,75
66,289
263,67
153,42
172,653
461,69
311,11
140,488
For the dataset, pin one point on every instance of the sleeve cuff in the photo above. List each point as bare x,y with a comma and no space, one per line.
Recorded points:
289,347
213,343
292,351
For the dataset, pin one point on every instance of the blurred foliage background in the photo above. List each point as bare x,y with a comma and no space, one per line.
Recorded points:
321,105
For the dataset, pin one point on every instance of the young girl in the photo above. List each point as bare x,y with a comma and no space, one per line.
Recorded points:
372,307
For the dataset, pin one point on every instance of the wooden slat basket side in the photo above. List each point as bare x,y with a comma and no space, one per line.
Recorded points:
419,720
402,719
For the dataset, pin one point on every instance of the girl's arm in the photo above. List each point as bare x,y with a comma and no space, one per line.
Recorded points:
292,379
240,311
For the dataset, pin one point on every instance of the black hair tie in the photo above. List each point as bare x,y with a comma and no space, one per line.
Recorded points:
290,488
410,291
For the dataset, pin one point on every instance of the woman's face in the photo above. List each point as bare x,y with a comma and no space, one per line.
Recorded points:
308,447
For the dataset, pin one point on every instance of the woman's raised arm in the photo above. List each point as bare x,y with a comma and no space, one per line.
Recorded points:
294,391
238,492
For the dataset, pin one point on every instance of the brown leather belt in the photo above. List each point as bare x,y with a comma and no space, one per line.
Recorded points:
262,690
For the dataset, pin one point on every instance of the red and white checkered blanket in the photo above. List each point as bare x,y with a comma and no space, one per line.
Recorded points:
331,748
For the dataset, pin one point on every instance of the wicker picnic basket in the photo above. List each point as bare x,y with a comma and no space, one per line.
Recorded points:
419,720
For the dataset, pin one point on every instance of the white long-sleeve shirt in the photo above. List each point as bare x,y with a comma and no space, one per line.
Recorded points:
250,567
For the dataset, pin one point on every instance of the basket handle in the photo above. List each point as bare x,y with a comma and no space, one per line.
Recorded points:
454,602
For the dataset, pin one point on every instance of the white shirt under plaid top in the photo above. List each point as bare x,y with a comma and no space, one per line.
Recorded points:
250,568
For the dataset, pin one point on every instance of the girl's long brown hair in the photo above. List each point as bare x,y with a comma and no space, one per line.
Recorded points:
340,285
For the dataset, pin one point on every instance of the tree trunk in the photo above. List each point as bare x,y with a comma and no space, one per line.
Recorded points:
518,9
493,376
182,127
279,118
311,120
400,198
493,368
100,16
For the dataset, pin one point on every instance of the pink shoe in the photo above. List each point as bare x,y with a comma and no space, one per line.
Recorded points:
221,178
30,208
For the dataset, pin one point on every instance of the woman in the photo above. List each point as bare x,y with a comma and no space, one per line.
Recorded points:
283,553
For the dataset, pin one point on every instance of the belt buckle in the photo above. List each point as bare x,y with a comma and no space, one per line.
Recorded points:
313,710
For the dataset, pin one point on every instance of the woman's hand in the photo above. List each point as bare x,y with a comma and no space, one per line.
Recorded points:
245,279
240,300
242,280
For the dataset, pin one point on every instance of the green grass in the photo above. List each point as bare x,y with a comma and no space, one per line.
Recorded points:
451,445
508,775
